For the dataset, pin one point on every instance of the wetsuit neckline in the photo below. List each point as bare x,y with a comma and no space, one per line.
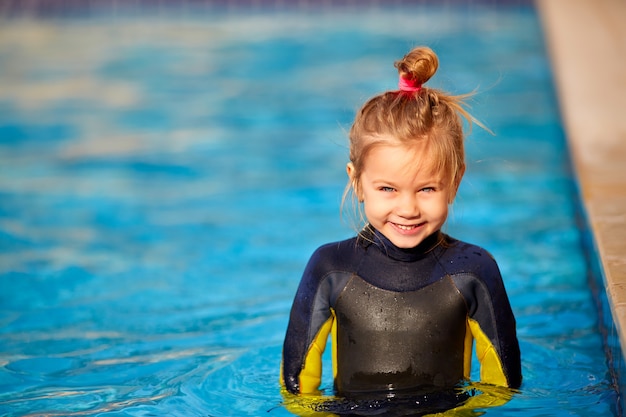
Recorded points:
371,236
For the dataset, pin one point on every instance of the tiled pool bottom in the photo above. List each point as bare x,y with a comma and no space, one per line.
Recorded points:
163,182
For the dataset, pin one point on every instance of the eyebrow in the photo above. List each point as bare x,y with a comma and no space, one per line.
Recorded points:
420,184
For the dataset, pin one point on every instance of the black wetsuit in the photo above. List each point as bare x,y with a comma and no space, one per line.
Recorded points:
401,319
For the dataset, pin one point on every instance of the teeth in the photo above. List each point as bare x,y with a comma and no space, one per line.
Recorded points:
403,227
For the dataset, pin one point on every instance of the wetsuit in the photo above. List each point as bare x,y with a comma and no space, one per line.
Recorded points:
400,319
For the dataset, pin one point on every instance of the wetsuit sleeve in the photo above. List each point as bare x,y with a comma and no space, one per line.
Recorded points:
310,322
492,323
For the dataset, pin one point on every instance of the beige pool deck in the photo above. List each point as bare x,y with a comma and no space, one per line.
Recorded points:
587,46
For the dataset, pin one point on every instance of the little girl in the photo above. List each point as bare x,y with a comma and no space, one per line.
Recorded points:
403,301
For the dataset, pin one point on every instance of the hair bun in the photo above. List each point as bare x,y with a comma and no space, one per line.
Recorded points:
419,65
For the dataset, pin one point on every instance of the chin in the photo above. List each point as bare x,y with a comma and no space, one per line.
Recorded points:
404,245
405,242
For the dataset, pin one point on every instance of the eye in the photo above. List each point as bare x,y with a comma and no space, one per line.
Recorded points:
428,189
387,189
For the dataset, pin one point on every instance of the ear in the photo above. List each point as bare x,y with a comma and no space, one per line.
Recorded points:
351,171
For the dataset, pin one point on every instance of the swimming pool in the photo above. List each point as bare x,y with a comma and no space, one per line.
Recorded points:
164,180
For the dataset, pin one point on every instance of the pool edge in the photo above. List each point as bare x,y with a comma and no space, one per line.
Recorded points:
587,47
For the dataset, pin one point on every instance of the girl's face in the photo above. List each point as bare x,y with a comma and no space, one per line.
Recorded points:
402,199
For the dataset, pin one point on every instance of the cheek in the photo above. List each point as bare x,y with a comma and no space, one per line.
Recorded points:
440,208
373,203
435,207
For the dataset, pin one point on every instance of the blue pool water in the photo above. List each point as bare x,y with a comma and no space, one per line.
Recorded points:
163,181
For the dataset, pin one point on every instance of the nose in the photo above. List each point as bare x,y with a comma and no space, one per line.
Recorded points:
408,206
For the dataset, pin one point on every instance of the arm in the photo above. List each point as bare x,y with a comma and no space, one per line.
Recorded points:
492,324
310,322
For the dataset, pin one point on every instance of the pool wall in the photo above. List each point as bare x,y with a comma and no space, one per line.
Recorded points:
587,45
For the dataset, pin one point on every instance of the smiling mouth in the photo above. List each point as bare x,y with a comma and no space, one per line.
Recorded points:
407,228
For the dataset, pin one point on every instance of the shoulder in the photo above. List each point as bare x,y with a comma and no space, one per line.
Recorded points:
459,257
337,259
336,255
473,269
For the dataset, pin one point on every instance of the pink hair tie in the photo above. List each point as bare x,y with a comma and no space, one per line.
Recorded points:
408,85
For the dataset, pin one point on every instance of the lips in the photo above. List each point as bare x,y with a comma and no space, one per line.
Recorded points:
407,227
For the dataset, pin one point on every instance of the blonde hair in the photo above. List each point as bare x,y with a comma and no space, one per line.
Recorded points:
427,116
